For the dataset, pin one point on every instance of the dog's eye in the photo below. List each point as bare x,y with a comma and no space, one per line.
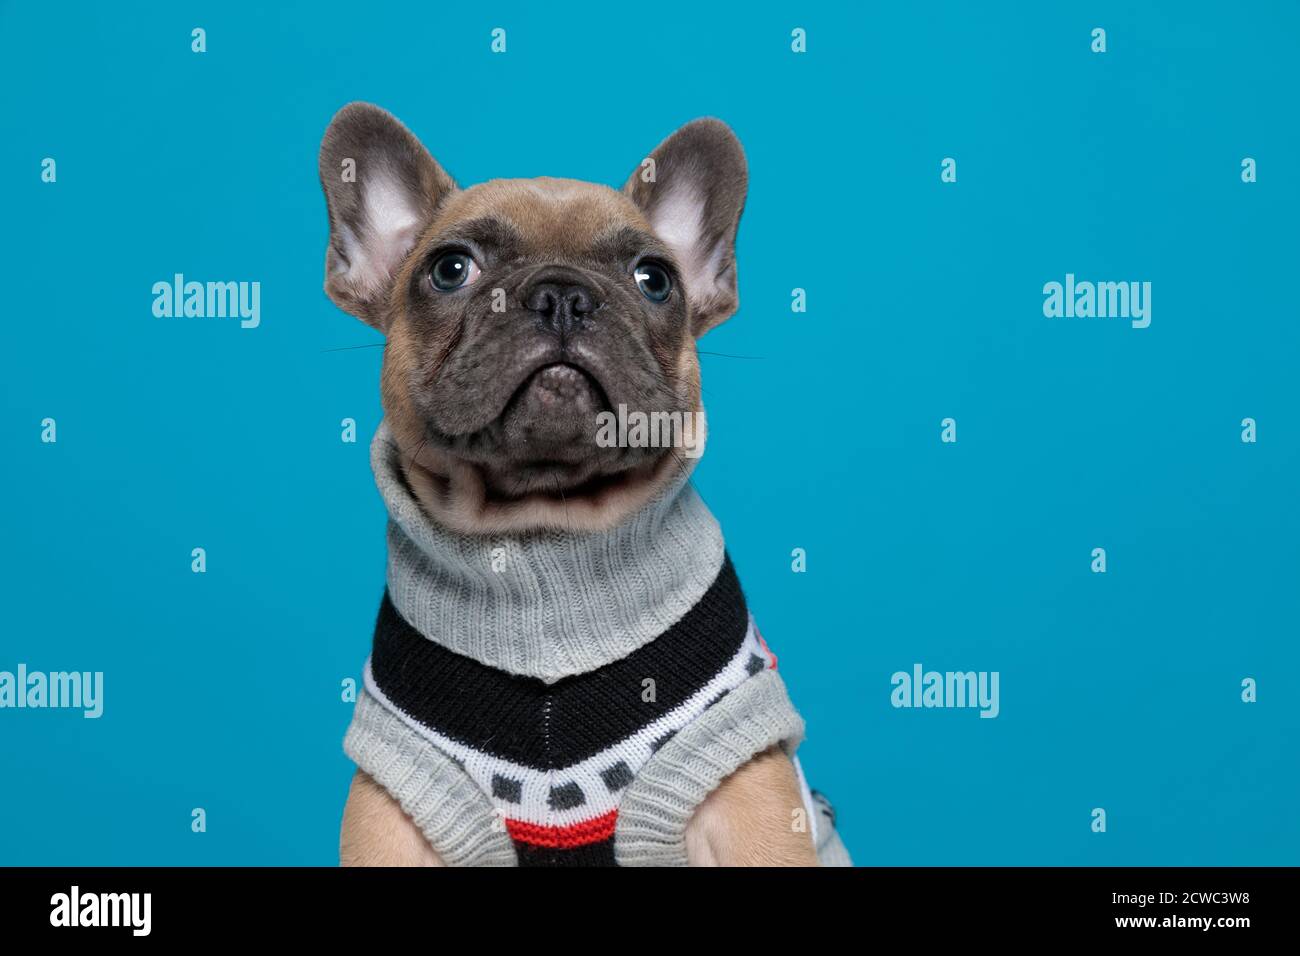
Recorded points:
653,281
453,270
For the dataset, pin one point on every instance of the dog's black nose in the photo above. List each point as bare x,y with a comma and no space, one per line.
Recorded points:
561,305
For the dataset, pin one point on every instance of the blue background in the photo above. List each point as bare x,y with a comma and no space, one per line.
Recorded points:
1119,690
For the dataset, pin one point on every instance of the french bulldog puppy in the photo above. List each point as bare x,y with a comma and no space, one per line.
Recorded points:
515,312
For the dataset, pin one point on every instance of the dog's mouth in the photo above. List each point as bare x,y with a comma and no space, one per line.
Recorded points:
555,394
545,441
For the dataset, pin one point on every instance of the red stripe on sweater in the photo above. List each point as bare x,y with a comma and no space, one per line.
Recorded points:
564,838
763,644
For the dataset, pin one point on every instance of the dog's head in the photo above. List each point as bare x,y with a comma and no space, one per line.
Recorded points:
517,311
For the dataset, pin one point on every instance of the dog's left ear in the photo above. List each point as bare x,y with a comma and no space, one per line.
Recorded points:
692,190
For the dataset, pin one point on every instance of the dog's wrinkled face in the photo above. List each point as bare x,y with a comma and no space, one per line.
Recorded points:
532,307
517,311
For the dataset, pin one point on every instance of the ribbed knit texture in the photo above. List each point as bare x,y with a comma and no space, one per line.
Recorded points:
436,793
549,726
561,603
657,807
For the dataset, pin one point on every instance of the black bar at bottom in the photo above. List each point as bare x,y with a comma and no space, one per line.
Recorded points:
215,905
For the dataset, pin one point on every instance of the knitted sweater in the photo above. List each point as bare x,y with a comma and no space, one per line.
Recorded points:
561,698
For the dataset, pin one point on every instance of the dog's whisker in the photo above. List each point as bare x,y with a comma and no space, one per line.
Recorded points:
351,348
415,459
568,525
757,358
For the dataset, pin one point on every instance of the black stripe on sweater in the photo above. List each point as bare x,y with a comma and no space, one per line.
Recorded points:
550,726
593,854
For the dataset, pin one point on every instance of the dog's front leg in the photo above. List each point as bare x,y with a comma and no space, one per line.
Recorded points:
750,820
377,832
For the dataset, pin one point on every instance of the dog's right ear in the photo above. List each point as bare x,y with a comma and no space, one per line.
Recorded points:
382,188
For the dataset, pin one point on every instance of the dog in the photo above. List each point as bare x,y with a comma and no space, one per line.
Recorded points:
564,672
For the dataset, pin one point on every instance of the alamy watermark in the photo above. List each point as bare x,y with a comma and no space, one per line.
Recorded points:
75,908
208,300
73,690
1098,300
922,688
635,429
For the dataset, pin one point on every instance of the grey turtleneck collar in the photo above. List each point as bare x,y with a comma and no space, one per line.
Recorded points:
546,604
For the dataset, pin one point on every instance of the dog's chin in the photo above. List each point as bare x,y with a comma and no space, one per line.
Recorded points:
544,483
538,466
469,498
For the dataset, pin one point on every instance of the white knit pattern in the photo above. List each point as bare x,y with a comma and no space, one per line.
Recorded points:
634,751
